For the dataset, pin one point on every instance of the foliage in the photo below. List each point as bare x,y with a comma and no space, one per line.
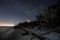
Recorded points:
47,19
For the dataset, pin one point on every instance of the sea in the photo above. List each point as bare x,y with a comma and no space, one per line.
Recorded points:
9,33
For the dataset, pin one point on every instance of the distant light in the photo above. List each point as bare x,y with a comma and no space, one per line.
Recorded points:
6,24
28,21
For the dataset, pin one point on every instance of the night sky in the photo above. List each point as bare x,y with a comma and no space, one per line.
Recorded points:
14,11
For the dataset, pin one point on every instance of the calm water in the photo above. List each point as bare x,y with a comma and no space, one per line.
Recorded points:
8,33
5,31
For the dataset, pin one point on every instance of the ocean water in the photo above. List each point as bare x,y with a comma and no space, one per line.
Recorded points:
9,33
5,31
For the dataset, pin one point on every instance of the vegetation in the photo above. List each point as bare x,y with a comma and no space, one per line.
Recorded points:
27,25
47,20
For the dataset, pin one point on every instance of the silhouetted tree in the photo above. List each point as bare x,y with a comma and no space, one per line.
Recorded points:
47,20
32,24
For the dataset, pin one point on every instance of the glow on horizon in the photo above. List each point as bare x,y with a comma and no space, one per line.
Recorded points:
28,20
6,24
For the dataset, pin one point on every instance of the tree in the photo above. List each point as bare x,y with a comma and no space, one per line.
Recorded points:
49,18
29,25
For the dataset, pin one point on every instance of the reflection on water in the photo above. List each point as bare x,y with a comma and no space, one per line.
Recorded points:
8,33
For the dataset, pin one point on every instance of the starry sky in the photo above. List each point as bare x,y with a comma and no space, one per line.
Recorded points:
15,11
